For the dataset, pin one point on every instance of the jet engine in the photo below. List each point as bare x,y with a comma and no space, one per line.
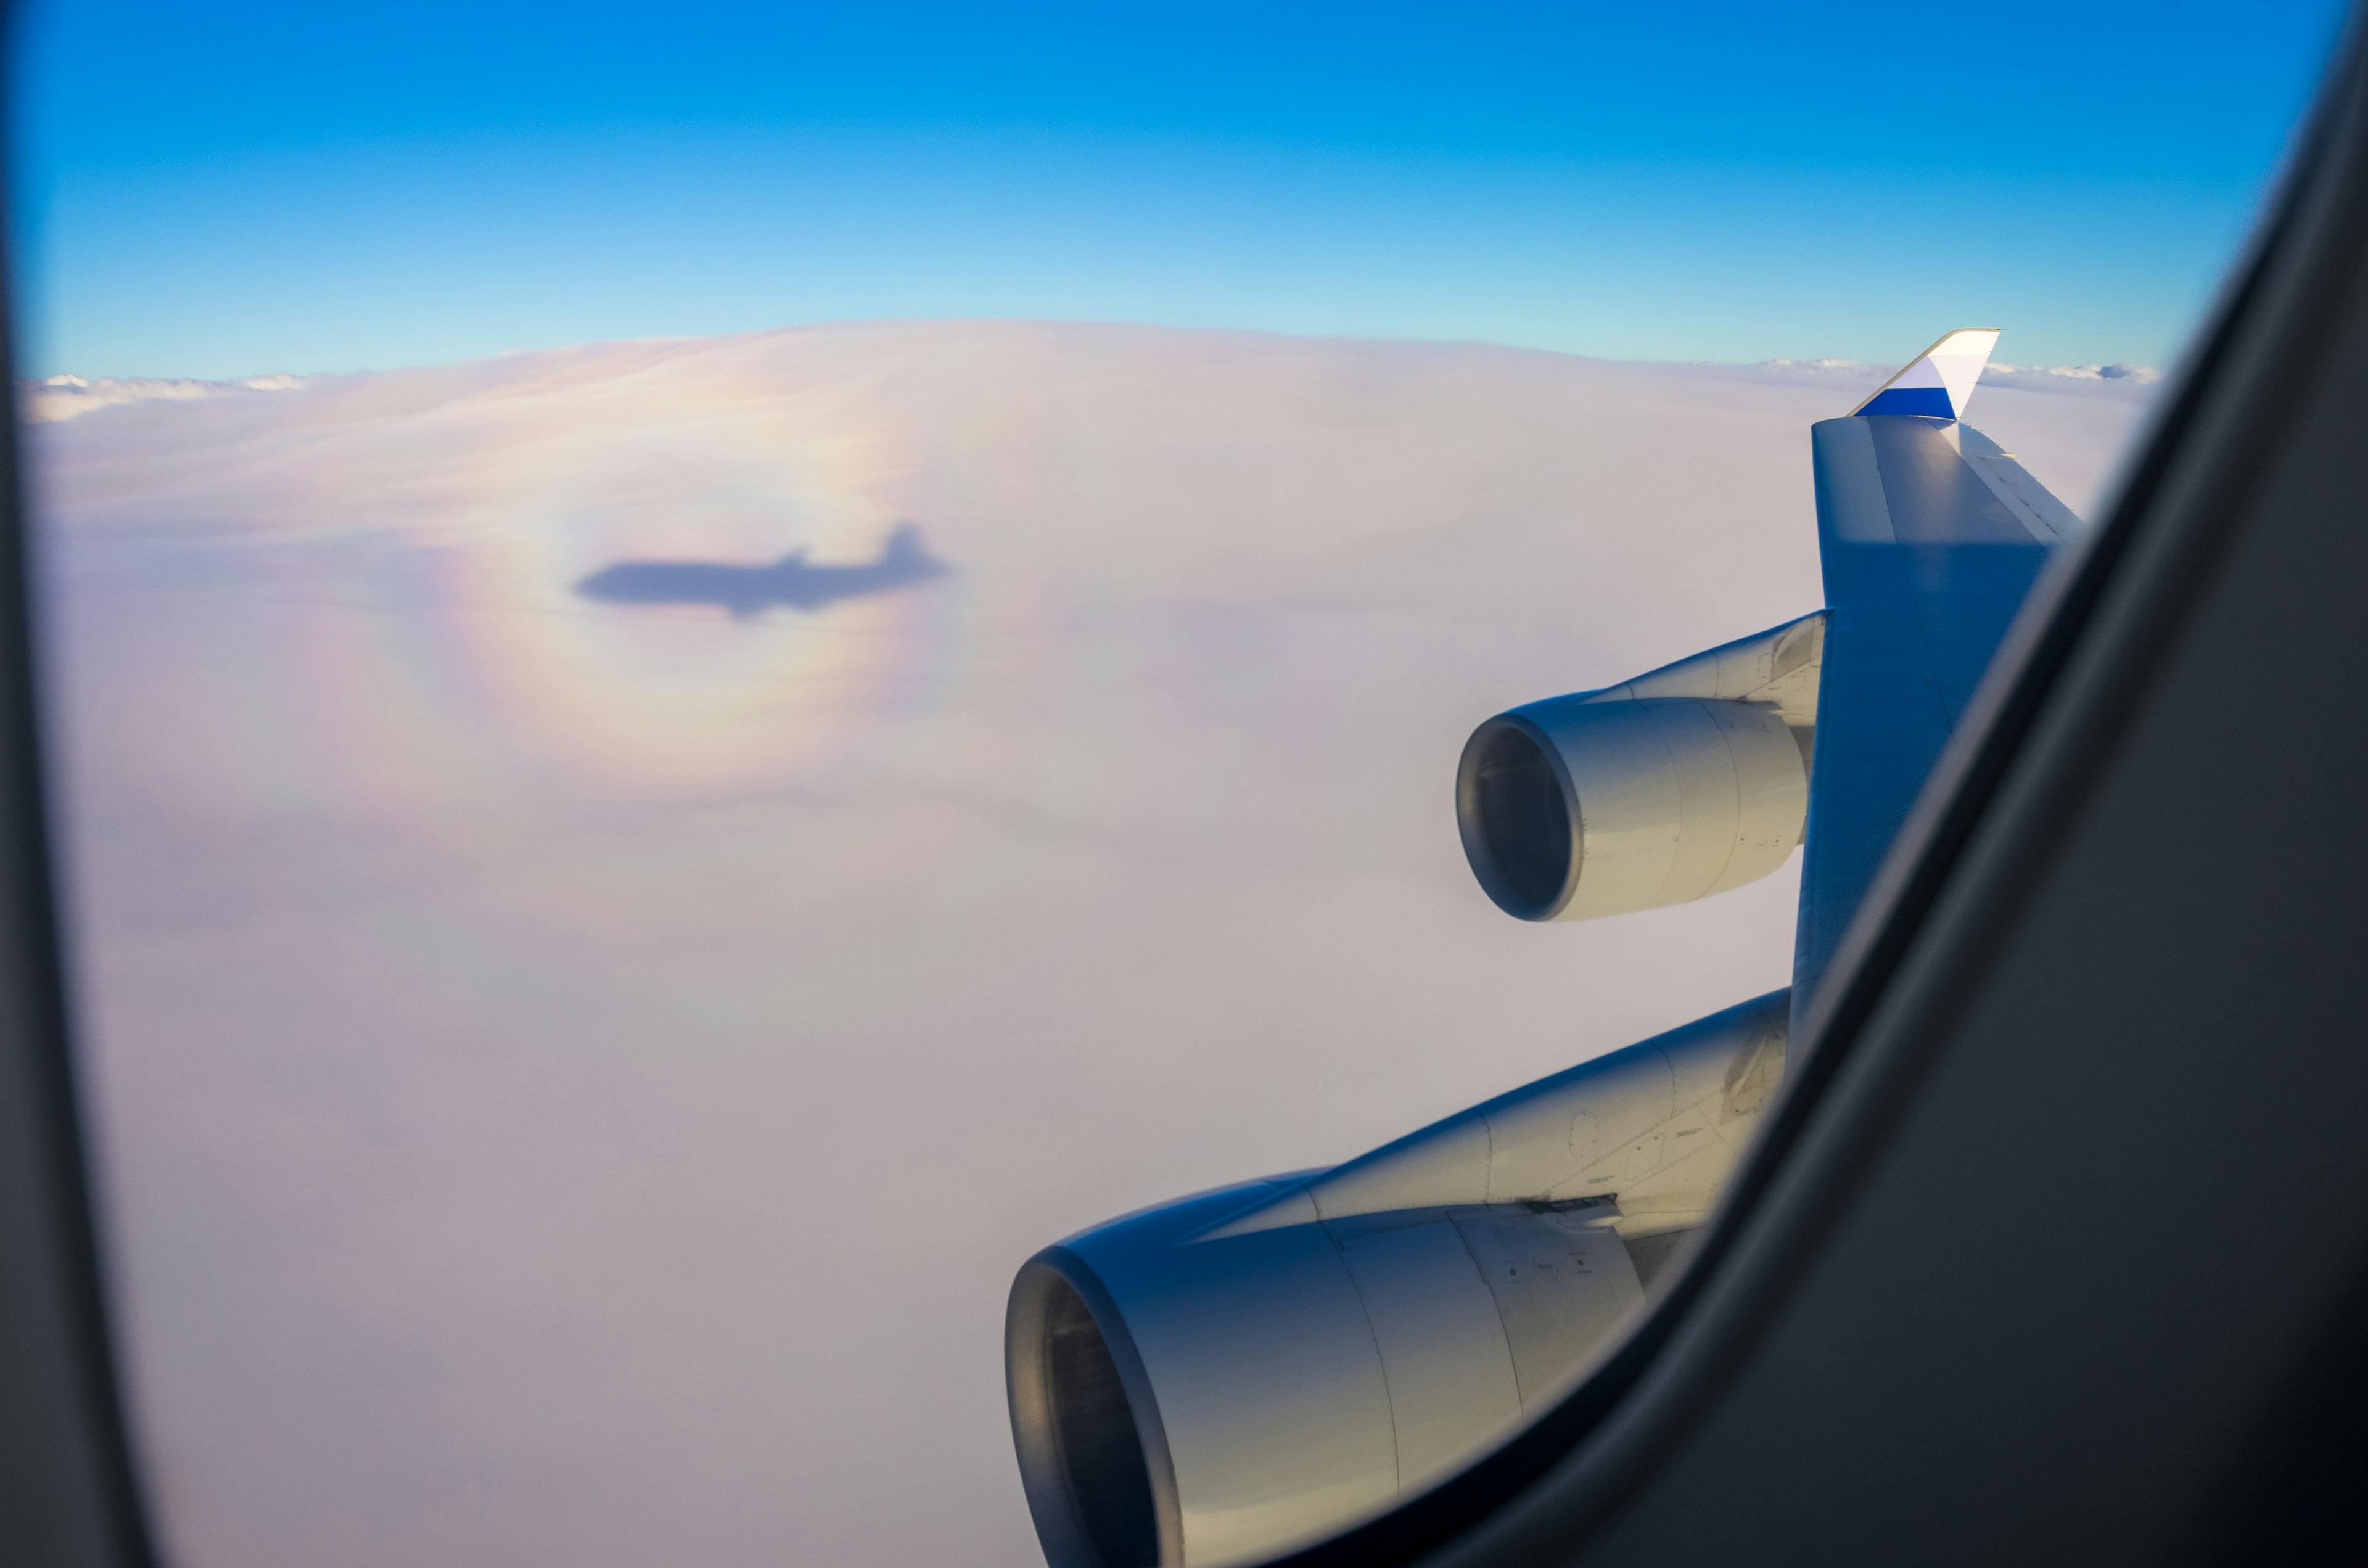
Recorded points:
1217,1378
1669,788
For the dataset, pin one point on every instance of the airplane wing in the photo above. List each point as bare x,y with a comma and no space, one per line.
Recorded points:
1930,538
1213,1380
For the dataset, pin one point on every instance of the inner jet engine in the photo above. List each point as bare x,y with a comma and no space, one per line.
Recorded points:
1685,782
1218,1379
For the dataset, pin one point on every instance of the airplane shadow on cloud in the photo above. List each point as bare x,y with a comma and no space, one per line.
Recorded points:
791,583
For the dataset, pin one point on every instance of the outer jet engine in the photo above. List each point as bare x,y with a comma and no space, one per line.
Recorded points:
1220,1379
1681,783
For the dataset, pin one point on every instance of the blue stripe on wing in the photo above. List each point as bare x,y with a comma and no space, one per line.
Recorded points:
1932,403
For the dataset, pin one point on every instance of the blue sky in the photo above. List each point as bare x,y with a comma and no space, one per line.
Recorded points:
230,189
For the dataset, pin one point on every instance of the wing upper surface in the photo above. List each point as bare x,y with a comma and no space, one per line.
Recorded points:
1930,538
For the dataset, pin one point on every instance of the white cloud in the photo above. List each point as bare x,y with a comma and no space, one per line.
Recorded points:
2130,381
68,397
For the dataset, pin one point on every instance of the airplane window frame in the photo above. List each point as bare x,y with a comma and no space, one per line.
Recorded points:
68,1471
69,1479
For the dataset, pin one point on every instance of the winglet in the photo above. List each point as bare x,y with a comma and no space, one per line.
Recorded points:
1940,382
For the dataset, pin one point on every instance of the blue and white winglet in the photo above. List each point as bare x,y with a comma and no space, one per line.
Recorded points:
1940,380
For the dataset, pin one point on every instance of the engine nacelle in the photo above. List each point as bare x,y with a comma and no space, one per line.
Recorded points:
1203,1401
1681,783
1221,1378
1576,808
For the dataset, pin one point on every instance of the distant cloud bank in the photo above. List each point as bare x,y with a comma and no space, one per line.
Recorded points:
2110,380
69,396
2141,375
64,397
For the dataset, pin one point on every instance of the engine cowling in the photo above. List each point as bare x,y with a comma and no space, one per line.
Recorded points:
1684,782
1221,1377
1579,807
1201,1400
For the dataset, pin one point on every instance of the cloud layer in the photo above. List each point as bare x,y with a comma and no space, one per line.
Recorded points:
579,1074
